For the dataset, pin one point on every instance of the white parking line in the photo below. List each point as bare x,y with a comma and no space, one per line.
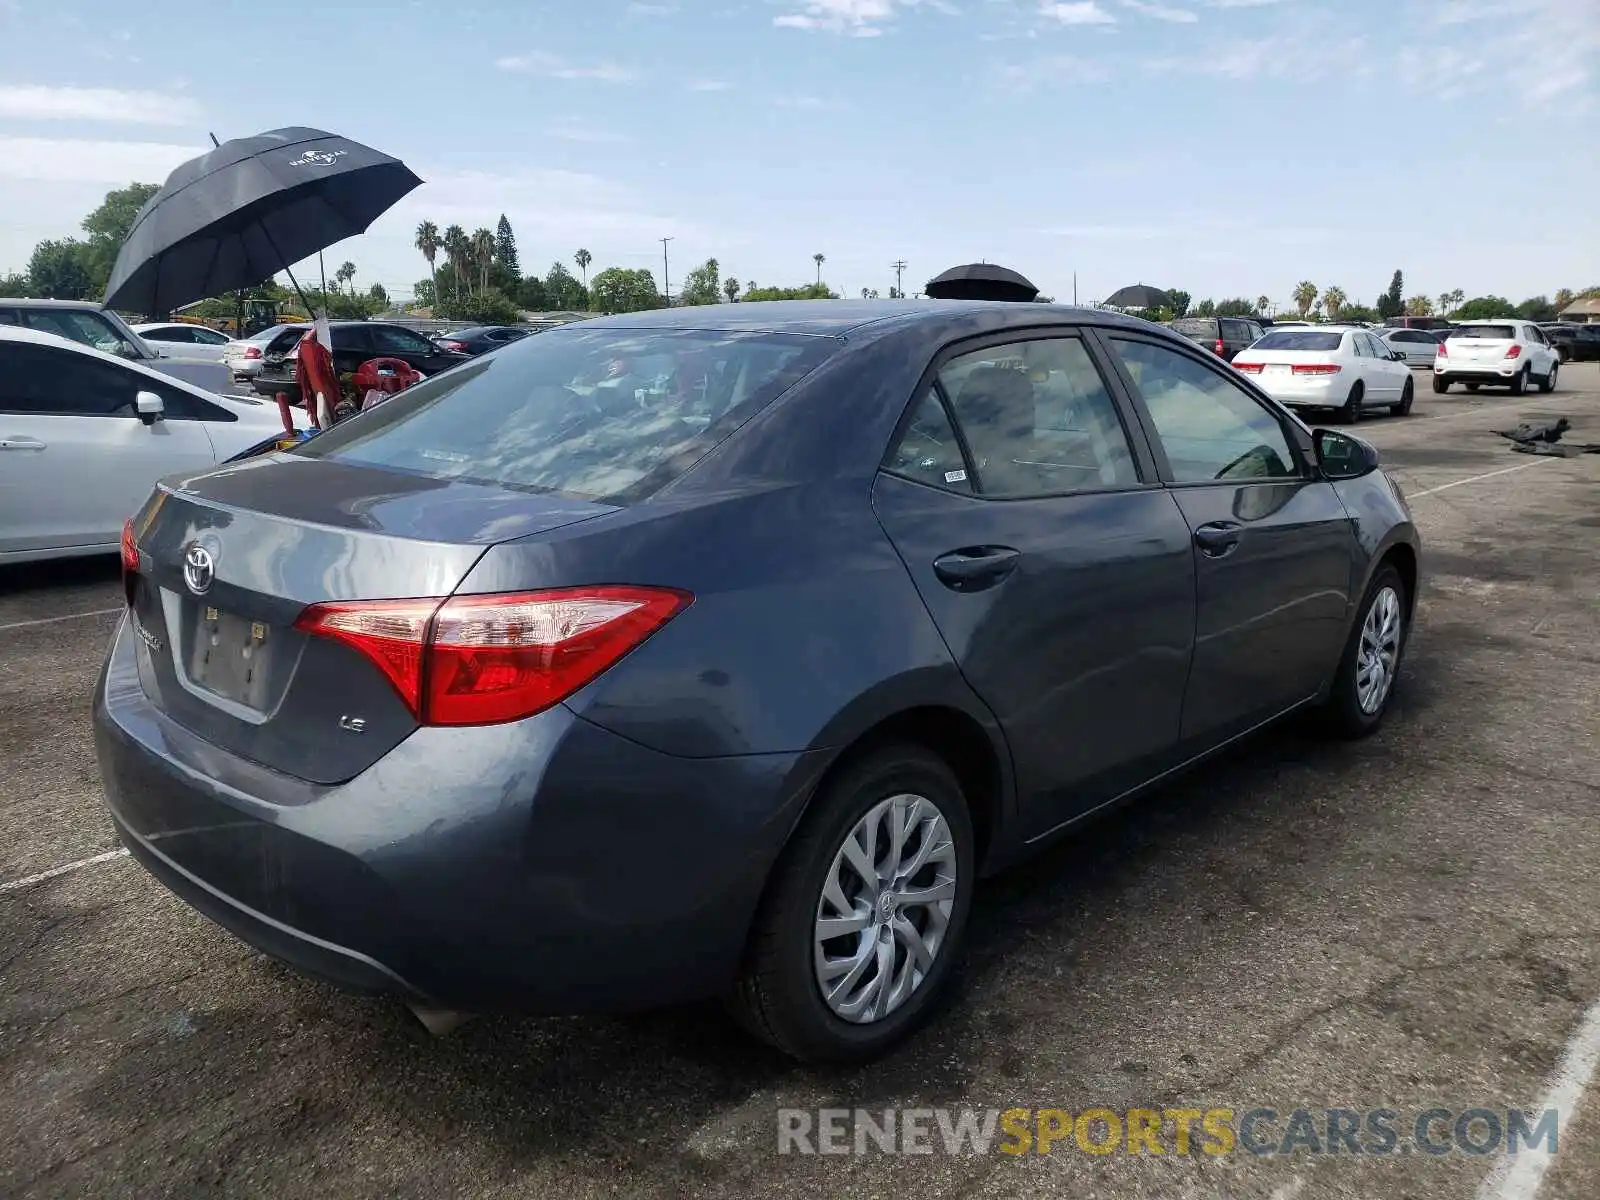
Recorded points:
99,612
1444,487
30,880
1517,1177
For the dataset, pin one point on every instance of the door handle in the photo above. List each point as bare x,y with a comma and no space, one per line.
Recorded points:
976,567
21,443
1217,539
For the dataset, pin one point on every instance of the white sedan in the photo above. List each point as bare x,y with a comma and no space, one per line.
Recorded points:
183,340
1337,367
1509,353
1420,346
84,435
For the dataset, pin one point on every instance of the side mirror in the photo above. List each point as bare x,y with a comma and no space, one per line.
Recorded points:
1341,456
149,406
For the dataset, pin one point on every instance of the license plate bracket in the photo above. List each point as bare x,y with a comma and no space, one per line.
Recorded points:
230,656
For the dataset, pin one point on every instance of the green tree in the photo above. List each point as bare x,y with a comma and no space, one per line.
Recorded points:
1484,308
14,284
1564,298
703,285
505,247
345,276
1180,302
819,259
583,258
730,288
488,307
1419,306
1206,308
1537,308
1450,301
811,291
1235,306
1353,313
1391,303
424,293
1262,304
620,290
562,291
531,295
61,270
1334,300
482,255
108,226
428,243
457,249
379,295
1305,295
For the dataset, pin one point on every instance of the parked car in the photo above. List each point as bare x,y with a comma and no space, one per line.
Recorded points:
1563,339
92,325
354,342
1507,353
1224,336
1350,370
479,339
245,356
1417,323
732,684
1586,343
84,435
1420,346
182,338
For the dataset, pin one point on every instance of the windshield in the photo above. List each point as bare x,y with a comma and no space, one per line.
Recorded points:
81,325
1195,327
1501,333
1298,340
602,414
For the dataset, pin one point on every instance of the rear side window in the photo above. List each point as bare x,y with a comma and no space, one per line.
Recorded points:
602,414
1492,333
44,381
1286,339
928,451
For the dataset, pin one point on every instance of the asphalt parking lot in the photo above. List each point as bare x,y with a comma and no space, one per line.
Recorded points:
1410,922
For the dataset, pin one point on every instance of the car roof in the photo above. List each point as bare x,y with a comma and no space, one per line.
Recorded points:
1491,321
32,303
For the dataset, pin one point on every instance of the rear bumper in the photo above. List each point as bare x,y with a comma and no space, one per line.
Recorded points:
1480,373
544,866
1305,391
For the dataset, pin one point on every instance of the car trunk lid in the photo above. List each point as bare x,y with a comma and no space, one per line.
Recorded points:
228,561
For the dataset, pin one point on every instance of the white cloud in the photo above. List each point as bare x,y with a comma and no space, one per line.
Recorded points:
1162,12
74,161
552,66
710,85
1077,12
640,9
574,129
1052,70
854,18
32,103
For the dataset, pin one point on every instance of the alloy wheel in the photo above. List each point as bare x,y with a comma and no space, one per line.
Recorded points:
885,908
1378,654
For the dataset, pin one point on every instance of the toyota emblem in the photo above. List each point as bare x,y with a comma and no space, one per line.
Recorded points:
199,569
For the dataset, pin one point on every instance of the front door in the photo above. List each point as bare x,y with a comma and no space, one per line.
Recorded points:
1274,549
1057,570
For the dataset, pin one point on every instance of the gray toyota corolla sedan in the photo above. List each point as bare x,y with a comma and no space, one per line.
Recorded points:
718,651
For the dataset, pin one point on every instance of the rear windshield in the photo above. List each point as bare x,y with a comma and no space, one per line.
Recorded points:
602,414
1195,327
1503,333
1298,339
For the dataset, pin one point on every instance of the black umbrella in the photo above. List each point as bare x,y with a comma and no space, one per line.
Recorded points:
981,281
237,216
1138,296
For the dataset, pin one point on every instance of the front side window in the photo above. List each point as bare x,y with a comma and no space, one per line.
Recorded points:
1210,427
602,414
1038,419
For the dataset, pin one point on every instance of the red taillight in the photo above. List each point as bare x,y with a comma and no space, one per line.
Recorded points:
252,351
1514,352
130,550
1315,369
1443,351
1249,368
480,660
1218,346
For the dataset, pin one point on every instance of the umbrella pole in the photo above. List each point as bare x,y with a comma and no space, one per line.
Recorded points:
289,271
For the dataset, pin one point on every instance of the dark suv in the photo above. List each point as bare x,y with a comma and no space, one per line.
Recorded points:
354,342
1225,336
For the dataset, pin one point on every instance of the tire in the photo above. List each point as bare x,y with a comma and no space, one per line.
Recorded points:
1441,385
1345,713
1548,383
1350,414
779,994
1407,397
1519,382
1472,387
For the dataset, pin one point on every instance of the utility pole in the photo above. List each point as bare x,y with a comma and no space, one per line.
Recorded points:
899,268
1074,289
666,279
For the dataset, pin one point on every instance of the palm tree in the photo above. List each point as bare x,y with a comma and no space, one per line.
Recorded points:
346,275
1262,304
428,243
456,248
583,258
1419,306
1305,295
819,259
731,289
1334,299
1450,301
483,255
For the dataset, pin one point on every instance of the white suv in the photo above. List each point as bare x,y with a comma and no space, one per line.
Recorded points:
1506,353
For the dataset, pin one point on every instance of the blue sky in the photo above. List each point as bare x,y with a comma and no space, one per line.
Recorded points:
1229,147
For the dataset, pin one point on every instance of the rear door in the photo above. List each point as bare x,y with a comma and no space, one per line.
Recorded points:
1384,377
75,460
1055,566
1274,551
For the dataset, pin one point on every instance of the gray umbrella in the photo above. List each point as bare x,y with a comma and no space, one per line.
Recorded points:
1138,296
238,215
980,281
